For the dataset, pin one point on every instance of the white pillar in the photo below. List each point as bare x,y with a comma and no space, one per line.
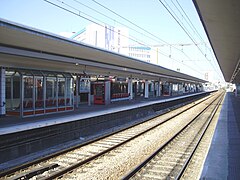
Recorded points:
156,88
89,93
159,89
2,92
77,91
130,88
107,92
146,89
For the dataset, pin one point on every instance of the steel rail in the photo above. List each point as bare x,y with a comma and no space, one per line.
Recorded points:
184,167
145,162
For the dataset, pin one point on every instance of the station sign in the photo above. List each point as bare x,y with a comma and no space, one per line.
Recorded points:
84,85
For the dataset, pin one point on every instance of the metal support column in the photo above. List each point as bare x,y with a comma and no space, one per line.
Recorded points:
21,95
77,91
130,88
89,94
146,89
159,89
2,92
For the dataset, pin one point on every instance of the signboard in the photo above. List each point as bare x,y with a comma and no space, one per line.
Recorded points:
84,85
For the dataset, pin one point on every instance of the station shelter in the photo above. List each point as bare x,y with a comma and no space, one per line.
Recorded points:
34,92
30,92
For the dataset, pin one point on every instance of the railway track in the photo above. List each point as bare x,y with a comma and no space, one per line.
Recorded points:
62,163
171,160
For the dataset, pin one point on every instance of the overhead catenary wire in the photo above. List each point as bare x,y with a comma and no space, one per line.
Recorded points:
190,25
196,44
182,24
112,19
195,30
79,14
144,30
134,40
189,21
178,22
175,18
186,31
132,24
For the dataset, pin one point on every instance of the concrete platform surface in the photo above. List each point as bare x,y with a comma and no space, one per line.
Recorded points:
223,159
11,124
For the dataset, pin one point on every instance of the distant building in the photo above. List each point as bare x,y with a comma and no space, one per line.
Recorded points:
140,52
106,37
114,39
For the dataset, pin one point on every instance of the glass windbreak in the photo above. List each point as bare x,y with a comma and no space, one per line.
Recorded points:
69,91
28,92
51,91
12,91
151,87
119,87
140,88
39,90
61,91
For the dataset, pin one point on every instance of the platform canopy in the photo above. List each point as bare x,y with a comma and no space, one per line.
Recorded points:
25,47
221,20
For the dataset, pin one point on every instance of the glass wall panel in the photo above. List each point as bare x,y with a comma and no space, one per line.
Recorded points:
28,92
69,91
8,92
140,88
61,91
119,87
51,92
39,90
12,91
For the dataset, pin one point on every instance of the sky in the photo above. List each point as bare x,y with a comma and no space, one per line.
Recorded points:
148,21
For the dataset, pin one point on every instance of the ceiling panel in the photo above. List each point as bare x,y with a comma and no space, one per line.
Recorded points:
221,20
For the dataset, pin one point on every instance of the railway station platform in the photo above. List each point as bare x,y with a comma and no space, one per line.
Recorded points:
12,124
223,159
